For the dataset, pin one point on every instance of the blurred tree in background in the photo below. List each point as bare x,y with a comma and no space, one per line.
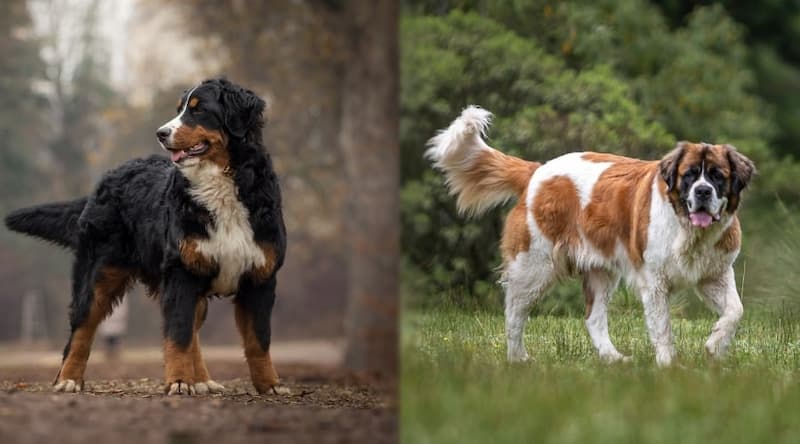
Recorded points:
615,76
22,116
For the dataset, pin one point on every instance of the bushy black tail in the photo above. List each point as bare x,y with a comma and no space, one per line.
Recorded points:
55,222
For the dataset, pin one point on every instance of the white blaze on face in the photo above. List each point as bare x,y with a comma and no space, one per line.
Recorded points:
703,213
176,123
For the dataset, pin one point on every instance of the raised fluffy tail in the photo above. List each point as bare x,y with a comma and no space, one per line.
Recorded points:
481,176
55,222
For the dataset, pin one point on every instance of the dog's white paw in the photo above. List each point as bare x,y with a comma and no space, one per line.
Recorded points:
518,356
281,390
611,357
717,345
206,387
180,388
68,386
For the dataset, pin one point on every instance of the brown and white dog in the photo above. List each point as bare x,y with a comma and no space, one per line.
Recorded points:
659,225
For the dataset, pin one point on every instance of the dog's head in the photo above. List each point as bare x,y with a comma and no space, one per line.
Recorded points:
704,181
210,117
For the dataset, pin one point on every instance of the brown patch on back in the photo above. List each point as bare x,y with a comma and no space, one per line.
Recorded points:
556,208
195,261
732,237
516,235
262,273
605,158
186,137
619,209
108,288
262,372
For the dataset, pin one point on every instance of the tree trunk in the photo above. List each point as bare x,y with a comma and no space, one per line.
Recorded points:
369,141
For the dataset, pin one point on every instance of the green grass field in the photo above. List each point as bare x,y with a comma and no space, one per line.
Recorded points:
458,388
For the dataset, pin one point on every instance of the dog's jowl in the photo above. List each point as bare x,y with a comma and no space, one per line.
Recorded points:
205,221
658,225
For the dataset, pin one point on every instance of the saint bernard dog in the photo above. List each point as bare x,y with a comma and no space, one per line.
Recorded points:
659,225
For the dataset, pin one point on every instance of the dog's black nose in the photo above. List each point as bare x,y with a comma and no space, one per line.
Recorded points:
162,134
703,192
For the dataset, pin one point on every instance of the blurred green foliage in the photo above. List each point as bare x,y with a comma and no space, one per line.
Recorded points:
612,76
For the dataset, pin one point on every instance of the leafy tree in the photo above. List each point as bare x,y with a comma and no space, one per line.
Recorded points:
21,119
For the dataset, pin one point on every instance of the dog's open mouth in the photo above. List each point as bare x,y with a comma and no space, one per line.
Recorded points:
702,218
178,155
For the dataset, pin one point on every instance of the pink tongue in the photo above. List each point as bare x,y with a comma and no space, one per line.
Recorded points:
700,219
177,155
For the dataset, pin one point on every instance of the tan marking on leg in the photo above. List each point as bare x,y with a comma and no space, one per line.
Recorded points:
262,273
200,369
109,287
262,372
178,367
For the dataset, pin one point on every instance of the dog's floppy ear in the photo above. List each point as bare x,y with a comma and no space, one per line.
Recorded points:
669,165
742,170
242,111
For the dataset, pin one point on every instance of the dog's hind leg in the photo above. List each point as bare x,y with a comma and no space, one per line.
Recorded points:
203,383
182,293
525,279
96,289
598,288
254,303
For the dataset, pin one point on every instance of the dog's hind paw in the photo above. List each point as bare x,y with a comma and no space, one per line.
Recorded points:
68,386
180,388
206,387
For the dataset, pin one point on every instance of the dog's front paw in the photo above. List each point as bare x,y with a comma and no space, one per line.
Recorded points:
716,347
206,387
179,387
68,386
279,390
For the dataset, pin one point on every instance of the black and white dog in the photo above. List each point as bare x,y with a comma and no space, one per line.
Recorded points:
205,222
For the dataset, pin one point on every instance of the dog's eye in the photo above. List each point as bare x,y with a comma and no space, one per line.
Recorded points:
715,174
692,172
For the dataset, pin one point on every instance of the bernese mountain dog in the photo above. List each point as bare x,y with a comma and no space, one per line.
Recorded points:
204,222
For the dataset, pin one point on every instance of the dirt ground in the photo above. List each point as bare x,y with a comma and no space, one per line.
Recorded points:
124,403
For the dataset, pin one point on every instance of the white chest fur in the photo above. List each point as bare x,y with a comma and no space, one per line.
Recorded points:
679,254
230,243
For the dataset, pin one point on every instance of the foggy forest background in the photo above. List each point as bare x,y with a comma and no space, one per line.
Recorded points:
86,83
